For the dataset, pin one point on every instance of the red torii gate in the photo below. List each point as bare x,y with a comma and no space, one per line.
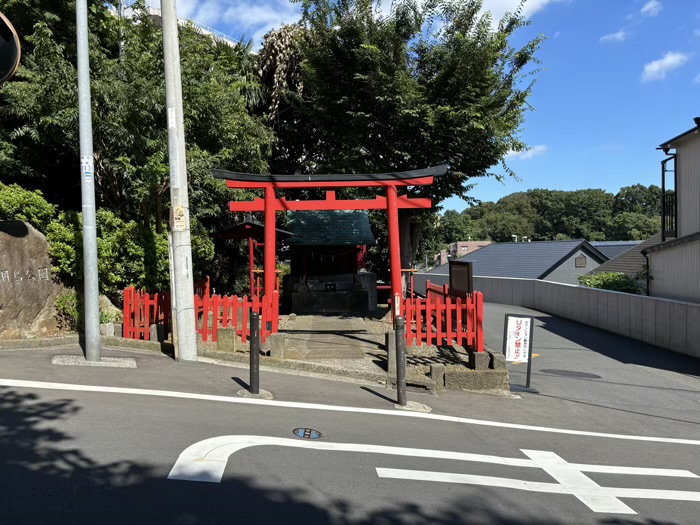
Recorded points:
271,204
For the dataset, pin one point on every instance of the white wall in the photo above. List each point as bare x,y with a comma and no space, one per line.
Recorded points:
688,190
676,272
673,325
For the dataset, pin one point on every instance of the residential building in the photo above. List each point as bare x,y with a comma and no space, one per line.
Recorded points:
458,249
557,261
674,263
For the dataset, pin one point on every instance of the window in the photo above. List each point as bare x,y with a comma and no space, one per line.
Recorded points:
580,261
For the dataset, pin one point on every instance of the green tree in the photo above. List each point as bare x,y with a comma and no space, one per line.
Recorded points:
39,115
629,226
394,93
18,204
639,199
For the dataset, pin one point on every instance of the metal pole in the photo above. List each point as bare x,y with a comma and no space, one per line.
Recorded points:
182,284
400,361
87,188
254,353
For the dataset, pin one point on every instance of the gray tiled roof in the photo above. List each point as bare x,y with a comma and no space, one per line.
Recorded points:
527,260
329,228
612,249
630,262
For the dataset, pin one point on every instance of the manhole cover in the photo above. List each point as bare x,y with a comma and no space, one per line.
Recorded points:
307,433
570,373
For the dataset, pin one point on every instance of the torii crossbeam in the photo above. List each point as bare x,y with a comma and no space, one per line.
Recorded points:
392,202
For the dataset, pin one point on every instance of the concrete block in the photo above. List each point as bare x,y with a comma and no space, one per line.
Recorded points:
529,293
497,291
679,321
663,324
623,314
693,330
390,346
457,378
649,321
153,333
437,374
200,344
576,314
518,292
497,360
277,343
636,303
611,322
478,360
107,329
226,340
118,330
569,302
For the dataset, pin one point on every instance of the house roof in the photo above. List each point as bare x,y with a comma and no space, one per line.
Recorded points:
629,262
329,228
612,249
249,229
669,144
528,260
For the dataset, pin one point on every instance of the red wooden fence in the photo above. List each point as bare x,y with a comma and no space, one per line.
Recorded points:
443,318
142,309
215,312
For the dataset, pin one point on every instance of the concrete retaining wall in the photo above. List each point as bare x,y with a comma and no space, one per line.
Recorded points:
673,325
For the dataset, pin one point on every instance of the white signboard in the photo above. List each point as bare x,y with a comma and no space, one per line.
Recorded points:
518,338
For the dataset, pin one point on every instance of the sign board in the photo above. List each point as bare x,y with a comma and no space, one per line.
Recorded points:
9,49
517,340
179,219
461,277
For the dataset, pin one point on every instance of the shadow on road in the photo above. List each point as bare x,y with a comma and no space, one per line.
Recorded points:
47,478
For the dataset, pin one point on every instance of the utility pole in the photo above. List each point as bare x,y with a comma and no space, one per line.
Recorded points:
87,187
182,285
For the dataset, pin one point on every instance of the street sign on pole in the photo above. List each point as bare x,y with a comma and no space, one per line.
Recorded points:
10,50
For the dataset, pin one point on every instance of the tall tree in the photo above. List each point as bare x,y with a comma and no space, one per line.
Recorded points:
424,85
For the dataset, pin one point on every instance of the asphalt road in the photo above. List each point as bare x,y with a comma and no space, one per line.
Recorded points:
89,456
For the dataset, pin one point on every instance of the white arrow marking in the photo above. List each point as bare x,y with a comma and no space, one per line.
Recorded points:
207,459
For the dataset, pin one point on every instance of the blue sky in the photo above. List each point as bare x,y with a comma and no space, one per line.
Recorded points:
619,77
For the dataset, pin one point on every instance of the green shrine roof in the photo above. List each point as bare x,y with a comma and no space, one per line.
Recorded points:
329,228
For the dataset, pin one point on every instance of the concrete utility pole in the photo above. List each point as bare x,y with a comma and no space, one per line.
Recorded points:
87,186
182,285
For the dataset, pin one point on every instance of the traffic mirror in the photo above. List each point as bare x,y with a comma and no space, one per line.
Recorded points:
9,49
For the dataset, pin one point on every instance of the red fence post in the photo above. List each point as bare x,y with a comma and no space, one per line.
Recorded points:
479,321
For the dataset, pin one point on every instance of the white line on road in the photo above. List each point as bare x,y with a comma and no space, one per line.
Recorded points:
206,461
18,383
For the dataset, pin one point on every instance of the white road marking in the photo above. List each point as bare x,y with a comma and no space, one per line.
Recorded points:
577,483
206,461
18,383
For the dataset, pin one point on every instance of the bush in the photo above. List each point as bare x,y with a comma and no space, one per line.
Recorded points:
617,282
70,312
129,253
18,204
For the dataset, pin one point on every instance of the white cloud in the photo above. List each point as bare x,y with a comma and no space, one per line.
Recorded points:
531,153
652,8
619,36
657,69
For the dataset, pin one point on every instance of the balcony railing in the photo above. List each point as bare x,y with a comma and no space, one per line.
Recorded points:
669,215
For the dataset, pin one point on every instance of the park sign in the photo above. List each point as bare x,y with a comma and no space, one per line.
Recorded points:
9,49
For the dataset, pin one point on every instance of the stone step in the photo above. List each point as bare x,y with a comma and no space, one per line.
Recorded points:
332,352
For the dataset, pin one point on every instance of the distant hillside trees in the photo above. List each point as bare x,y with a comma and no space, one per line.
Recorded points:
591,214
